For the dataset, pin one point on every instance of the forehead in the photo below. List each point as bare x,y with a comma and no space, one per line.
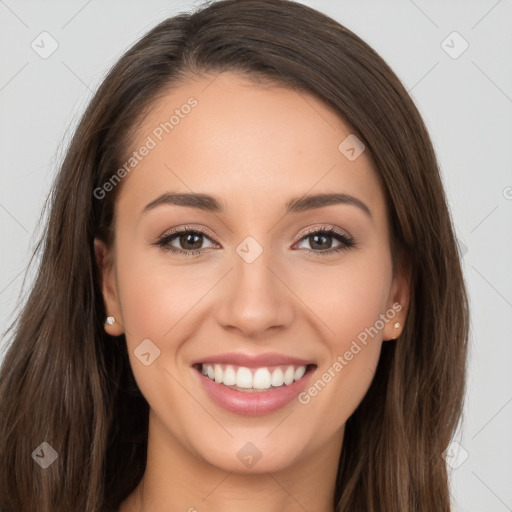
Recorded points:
245,141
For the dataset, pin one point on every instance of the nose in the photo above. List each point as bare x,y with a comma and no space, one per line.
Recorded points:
254,298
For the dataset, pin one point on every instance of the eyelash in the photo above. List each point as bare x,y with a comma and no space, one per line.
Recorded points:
347,242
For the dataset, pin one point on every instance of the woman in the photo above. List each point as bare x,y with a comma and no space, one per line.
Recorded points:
249,282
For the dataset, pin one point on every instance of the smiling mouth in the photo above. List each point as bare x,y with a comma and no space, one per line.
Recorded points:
254,380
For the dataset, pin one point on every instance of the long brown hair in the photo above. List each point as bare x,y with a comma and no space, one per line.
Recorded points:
65,382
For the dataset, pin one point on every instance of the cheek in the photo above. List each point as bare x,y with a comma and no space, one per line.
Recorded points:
347,298
156,295
156,299
351,301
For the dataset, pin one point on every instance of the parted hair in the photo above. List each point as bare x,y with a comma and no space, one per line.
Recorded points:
64,381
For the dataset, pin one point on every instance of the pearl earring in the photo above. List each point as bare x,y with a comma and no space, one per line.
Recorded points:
397,325
110,320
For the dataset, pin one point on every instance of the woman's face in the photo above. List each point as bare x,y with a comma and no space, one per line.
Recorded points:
261,293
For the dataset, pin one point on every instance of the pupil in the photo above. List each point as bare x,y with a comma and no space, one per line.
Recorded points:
319,245
185,240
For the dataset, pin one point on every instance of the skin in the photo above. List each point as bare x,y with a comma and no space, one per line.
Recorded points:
247,143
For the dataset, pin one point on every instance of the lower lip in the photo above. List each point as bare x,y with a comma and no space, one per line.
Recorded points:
253,403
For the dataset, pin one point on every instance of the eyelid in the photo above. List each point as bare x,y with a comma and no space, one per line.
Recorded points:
332,229
307,232
186,229
346,242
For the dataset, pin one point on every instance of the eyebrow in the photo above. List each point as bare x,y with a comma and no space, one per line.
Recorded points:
213,204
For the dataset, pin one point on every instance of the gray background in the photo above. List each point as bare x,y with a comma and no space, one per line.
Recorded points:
465,101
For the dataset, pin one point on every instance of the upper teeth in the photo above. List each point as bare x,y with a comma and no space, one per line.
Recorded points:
256,378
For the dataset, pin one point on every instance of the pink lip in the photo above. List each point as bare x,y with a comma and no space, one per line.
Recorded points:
253,403
253,361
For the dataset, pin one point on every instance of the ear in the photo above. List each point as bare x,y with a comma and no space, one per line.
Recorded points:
104,262
398,304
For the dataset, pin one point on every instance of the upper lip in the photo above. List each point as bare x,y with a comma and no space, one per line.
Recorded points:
253,360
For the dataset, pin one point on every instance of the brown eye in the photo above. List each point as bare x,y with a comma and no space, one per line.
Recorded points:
187,242
191,241
321,241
